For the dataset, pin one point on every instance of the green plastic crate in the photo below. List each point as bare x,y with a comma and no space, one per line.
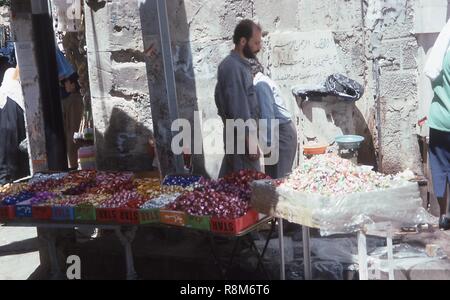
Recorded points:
85,213
200,223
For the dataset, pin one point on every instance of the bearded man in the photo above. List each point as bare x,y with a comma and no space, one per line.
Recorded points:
236,99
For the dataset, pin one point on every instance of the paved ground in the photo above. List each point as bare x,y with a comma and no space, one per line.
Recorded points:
177,255
19,256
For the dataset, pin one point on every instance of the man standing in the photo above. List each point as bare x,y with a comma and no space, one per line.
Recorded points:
236,99
72,108
274,111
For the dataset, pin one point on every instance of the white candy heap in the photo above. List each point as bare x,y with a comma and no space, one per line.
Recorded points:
330,175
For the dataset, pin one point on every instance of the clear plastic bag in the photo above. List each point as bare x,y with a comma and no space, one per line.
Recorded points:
399,206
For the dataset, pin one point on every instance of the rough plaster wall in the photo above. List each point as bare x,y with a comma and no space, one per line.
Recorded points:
202,38
22,32
211,42
120,101
343,20
362,30
391,25
201,32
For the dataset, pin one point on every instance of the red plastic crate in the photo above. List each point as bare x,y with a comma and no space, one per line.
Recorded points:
128,216
43,213
234,226
7,213
107,215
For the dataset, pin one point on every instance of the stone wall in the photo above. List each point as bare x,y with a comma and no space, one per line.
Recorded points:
119,89
354,33
394,46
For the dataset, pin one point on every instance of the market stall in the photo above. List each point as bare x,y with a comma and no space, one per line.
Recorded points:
125,201
338,197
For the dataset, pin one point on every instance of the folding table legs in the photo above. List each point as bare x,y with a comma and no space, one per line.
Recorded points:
126,238
307,252
362,256
49,236
282,259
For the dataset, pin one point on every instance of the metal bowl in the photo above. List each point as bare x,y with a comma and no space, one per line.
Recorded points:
350,142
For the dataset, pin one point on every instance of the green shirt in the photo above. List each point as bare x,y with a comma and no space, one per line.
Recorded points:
439,118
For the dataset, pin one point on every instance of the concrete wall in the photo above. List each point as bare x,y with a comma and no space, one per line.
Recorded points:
119,89
22,32
305,41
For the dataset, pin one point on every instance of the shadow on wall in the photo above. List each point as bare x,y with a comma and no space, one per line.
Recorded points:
367,153
184,75
332,117
121,146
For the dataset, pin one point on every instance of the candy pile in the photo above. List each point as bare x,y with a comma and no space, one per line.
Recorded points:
37,199
79,189
160,202
13,188
124,199
176,189
14,199
111,183
93,201
211,203
183,181
42,197
239,183
331,175
225,198
70,201
148,188
50,185
46,177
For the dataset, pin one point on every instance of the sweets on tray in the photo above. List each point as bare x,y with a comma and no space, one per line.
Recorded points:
331,175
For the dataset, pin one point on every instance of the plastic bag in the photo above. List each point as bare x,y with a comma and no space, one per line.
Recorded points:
344,87
65,68
399,206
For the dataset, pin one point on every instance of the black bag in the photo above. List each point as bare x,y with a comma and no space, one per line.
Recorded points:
344,87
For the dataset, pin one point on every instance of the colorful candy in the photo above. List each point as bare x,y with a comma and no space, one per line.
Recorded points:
37,178
211,203
330,175
148,188
161,201
183,181
21,197
122,200
111,183
13,188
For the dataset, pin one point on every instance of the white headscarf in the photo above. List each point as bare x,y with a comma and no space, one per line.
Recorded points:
434,65
11,89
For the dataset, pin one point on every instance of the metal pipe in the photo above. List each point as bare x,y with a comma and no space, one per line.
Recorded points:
307,252
169,72
377,75
281,240
362,255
